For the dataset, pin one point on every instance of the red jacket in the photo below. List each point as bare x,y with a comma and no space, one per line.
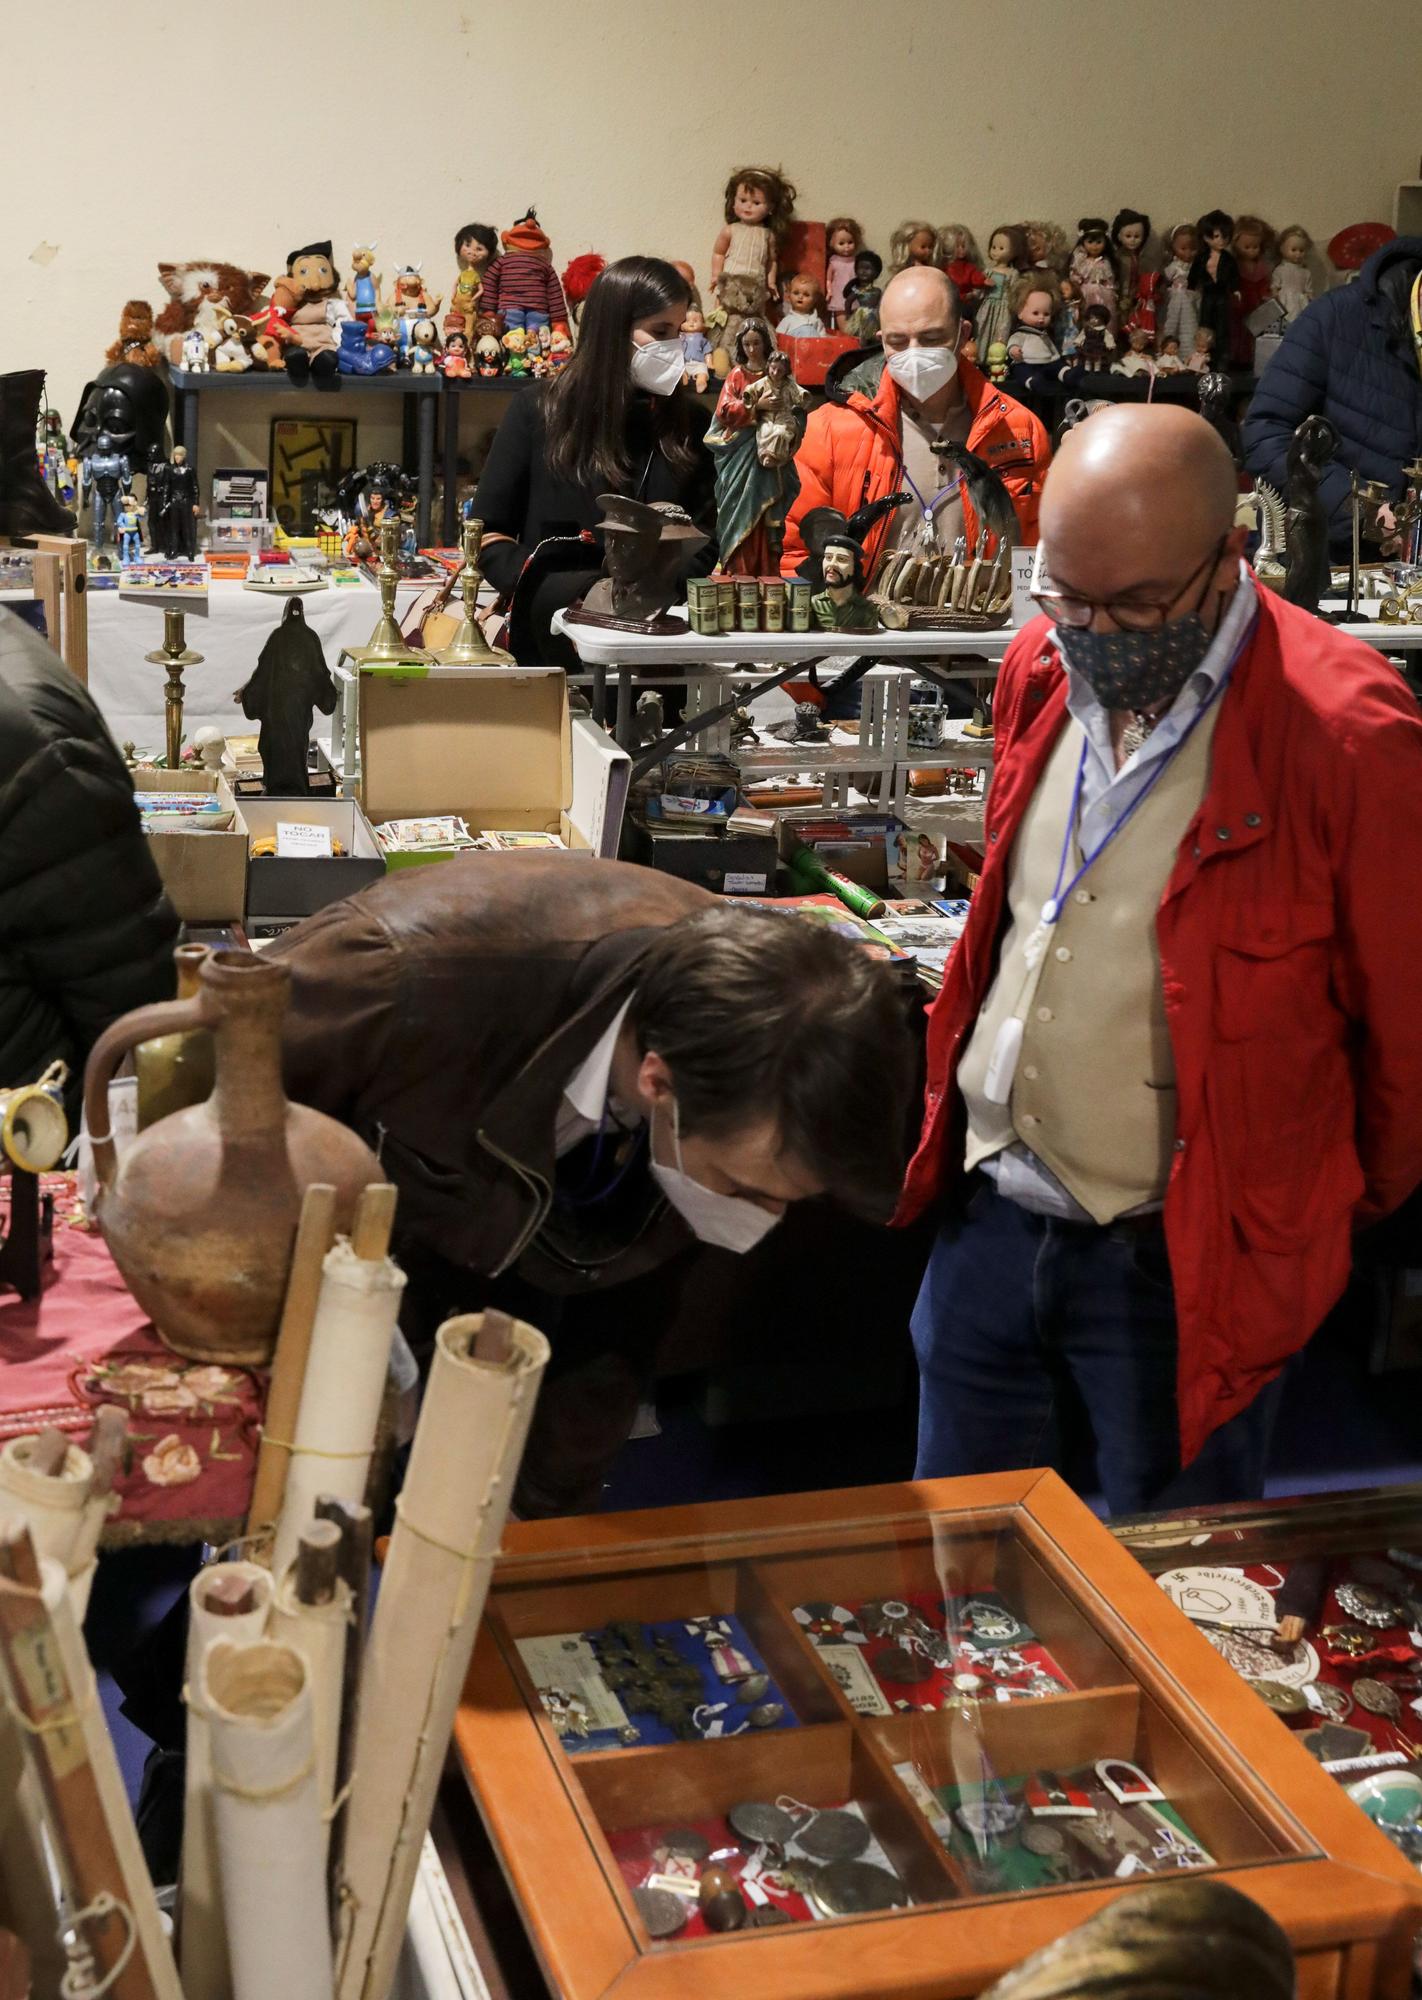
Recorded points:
851,454
1290,937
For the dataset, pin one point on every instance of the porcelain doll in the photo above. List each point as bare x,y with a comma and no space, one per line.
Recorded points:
1214,274
1130,232
960,257
1066,328
696,350
1201,359
1007,255
1168,361
804,319
844,240
363,285
862,298
1291,282
1097,341
455,359
912,243
1035,299
1137,360
1182,302
1253,245
1093,265
759,206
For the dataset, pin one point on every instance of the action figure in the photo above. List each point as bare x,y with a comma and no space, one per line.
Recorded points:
522,288
1307,574
1292,282
862,298
759,206
844,240
106,480
173,512
804,320
128,522
363,286
291,680
195,352
1093,265
1215,276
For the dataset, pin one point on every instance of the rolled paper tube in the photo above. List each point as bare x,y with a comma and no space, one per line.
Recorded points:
270,1838
50,1503
226,1601
318,1632
342,1390
473,1425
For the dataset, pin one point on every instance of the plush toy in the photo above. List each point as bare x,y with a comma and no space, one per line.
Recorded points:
190,285
232,354
578,279
135,337
522,288
305,312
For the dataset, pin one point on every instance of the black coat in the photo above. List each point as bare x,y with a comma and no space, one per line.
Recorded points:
86,931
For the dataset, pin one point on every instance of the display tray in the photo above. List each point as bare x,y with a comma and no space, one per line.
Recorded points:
984,1721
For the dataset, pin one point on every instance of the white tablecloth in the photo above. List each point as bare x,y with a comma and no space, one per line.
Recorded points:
229,631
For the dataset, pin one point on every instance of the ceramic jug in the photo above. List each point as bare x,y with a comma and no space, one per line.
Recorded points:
174,1071
201,1211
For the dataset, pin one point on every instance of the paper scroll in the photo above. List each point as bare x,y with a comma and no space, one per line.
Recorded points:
216,1610
319,1633
450,1516
342,1390
270,1839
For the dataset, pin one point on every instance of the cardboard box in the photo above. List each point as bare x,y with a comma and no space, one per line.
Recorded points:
729,864
280,887
205,874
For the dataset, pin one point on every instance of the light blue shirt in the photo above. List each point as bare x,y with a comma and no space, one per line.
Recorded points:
1106,794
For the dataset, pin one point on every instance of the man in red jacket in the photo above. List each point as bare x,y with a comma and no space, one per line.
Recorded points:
879,439
1178,1055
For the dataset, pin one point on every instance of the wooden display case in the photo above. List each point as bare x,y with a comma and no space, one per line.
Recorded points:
579,1822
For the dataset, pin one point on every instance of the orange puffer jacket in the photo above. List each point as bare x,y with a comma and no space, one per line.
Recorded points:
851,455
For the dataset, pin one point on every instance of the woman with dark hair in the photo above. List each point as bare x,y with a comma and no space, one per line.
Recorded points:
616,420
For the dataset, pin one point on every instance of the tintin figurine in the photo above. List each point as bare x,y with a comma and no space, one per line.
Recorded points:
1007,256
291,679
804,317
844,240
1093,265
522,288
696,350
759,206
862,298
1214,274
1292,282
960,257
106,479
1130,232
645,551
363,285
912,243
1182,300
129,521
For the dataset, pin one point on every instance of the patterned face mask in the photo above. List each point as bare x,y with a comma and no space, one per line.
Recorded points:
1135,670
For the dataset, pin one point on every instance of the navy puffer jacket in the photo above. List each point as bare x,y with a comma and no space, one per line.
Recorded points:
1347,359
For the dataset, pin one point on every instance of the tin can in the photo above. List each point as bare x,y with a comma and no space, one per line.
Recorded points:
748,605
800,590
703,604
772,593
726,604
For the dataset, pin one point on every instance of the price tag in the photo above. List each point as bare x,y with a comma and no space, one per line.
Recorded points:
298,842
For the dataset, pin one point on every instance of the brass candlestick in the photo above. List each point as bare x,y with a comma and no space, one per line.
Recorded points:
469,647
174,654
385,641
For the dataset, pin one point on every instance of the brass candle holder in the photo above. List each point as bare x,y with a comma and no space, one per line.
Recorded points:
174,654
469,647
385,641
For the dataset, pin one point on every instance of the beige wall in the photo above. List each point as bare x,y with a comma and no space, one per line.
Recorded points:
239,131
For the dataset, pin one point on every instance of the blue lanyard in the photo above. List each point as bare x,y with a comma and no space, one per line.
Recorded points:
1052,908
587,1193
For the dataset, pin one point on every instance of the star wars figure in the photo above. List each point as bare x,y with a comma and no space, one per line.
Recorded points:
106,476
291,680
129,521
172,519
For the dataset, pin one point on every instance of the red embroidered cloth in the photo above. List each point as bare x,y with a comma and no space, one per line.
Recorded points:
193,1427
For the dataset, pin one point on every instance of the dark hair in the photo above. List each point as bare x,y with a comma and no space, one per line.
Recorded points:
868,257
586,408
845,541
477,232
753,325
1215,219
779,195
1095,225
1016,242
759,1014
1124,218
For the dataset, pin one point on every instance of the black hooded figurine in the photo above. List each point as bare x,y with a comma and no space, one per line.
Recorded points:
1307,573
291,680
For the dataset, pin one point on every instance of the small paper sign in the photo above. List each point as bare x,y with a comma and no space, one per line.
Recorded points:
1022,606
298,842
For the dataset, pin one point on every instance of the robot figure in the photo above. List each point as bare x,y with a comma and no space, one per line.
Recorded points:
128,521
107,476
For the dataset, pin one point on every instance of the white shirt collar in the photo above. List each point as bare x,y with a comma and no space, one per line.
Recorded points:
586,1089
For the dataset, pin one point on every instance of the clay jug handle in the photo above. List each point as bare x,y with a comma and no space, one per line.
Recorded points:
166,1017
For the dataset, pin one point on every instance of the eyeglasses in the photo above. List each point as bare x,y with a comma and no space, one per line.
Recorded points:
1129,613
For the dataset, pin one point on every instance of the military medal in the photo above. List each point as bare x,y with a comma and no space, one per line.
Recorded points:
1368,1605
1378,1699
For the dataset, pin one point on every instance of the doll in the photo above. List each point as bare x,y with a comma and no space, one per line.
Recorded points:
1137,360
560,350
1202,355
1093,265
455,359
756,481
862,298
1145,312
1291,282
695,350
297,318
1047,246
1007,256
363,285
912,243
522,289
464,304
1182,304
1129,233
1168,361
844,240
960,257
806,302
1097,340
1066,328
759,206
778,404
1215,276
135,337
476,246
1253,245
488,357
128,521
1034,299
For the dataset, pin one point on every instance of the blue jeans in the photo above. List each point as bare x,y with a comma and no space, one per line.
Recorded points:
528,317
1030,1332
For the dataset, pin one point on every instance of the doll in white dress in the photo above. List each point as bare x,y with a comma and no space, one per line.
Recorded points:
1292,282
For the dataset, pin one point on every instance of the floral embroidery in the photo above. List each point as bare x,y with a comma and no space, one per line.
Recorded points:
172,1463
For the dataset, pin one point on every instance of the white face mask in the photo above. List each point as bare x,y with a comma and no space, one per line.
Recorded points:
658,365
922,371
727,1220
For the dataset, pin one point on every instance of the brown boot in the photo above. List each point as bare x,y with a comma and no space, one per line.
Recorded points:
27,507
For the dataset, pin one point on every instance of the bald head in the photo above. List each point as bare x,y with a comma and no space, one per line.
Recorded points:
1137,496
919,300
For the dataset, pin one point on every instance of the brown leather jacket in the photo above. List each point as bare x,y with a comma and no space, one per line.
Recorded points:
441,1012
